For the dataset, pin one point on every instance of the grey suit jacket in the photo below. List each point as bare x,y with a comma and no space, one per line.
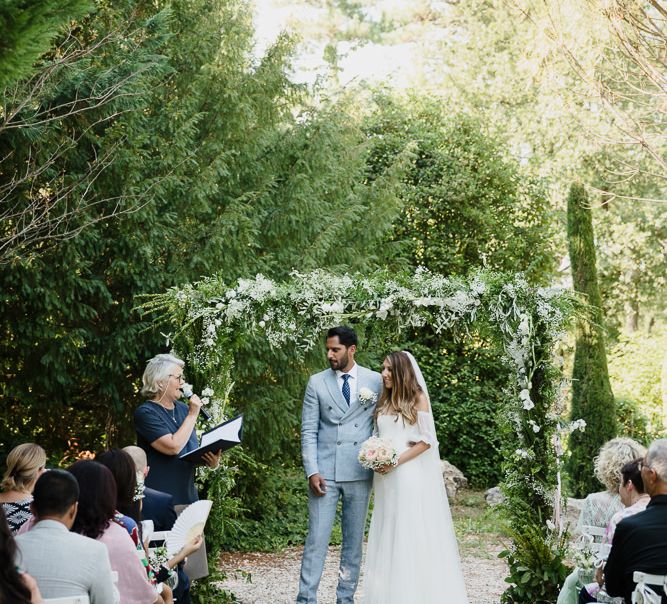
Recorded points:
65,563
332,433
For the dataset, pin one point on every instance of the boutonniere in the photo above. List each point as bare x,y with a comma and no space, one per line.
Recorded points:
367,396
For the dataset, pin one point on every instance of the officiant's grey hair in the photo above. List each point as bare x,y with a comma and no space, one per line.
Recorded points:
156,371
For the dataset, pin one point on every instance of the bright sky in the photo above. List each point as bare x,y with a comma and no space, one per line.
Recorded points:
372,62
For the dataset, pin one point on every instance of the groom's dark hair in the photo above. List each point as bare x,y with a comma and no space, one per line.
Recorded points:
346,335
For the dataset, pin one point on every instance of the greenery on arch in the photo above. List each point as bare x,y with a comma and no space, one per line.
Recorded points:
207,319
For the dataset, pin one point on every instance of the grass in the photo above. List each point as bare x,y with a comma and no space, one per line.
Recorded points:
477,525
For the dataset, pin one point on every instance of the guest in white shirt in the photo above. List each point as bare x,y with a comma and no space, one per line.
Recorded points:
63,563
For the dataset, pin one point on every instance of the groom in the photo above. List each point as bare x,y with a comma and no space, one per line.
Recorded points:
335,421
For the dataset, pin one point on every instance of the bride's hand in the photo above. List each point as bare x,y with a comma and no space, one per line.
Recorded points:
384,469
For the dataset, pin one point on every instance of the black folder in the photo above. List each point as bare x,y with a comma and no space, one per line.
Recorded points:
222,437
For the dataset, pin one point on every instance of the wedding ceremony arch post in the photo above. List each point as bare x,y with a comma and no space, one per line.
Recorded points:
206,318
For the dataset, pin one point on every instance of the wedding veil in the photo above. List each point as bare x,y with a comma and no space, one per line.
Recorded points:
435,452
420,377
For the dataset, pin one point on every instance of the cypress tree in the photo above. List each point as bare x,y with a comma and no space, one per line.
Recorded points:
592,398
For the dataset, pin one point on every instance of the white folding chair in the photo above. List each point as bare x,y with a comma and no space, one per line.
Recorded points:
592,537
643,594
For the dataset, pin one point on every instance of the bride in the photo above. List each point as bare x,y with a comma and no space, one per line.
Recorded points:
412,554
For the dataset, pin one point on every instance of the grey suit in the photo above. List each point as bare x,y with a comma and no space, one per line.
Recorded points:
65,563
331,435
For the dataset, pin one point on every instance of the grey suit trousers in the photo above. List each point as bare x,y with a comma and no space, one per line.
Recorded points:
355,495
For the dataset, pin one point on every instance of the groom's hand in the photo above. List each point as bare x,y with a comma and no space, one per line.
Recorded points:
317,485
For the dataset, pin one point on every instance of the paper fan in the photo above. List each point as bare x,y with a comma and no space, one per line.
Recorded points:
190,523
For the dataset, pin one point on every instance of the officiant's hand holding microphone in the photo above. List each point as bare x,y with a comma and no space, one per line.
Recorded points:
196,404
211,459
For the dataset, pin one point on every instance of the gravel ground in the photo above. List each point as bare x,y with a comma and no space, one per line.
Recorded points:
275,577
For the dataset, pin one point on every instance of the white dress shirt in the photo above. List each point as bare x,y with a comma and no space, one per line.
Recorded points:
353,382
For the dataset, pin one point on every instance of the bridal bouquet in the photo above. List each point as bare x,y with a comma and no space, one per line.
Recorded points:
375,453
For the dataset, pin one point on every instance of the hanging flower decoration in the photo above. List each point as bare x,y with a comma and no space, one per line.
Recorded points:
527,321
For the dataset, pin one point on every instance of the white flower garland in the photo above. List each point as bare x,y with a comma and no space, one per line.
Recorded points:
529,321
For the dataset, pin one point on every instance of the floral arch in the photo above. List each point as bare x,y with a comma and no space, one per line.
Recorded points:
207,317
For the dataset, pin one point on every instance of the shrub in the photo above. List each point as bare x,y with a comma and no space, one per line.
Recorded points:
466,383
632,421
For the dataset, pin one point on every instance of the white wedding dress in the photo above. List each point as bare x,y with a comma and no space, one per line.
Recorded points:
412,555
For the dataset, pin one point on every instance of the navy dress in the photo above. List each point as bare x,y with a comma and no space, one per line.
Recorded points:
167,473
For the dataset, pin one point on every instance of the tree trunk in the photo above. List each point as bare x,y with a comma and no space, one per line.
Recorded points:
631,317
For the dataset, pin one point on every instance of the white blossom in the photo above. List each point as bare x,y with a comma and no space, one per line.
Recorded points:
578,424
333,308
207,392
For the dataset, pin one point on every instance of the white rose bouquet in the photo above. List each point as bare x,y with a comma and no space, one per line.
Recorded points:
375,453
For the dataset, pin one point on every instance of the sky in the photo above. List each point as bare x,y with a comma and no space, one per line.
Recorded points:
395,63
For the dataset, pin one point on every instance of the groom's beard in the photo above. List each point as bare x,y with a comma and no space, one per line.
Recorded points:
339,364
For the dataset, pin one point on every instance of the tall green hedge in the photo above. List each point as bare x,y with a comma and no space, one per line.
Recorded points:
592,398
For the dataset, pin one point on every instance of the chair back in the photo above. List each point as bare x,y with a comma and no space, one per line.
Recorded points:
643,594
591,538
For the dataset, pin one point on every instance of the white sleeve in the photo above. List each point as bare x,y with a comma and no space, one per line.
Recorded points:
426,428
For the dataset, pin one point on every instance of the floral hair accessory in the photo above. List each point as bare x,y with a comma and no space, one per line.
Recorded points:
139,491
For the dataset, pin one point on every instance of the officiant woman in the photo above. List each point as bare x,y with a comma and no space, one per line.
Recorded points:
165,428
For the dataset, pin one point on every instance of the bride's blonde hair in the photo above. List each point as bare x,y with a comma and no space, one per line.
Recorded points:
403,396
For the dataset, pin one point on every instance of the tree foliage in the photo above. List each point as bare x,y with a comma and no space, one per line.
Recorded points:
27,30
592,398
63,130
466,205
233,174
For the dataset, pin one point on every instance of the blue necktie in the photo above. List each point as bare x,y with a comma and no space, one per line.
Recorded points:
346,387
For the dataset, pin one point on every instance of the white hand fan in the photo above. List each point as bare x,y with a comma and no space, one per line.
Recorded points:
189,524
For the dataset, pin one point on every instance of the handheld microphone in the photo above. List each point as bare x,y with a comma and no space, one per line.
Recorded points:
187,392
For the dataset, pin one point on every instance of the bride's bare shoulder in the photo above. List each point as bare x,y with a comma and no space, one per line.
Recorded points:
422,403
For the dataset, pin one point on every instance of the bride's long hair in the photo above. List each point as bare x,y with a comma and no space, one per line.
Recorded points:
401,399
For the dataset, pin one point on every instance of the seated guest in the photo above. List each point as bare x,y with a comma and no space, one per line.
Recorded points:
25,465
128,514
128,505
63,563
599,507
15,587
159,507
155,505
640,541
95,519
635,500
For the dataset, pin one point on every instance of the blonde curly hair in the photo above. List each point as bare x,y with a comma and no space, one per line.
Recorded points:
613,455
